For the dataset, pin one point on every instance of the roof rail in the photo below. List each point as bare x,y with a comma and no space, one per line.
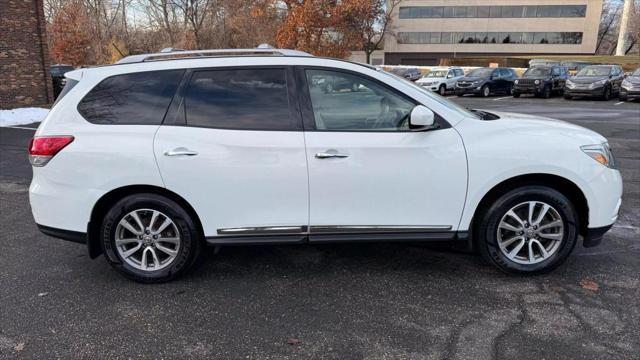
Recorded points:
177,54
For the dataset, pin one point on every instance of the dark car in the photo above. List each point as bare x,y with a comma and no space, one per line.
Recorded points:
543,81
57,76
412,74
630,88
486,81
599,81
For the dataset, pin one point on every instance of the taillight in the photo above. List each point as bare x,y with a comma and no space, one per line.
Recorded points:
44,148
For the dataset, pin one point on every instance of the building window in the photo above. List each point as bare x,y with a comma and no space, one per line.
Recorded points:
509,11
490,38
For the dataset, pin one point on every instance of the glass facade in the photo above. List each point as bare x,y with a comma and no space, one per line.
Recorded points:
490,38
509,11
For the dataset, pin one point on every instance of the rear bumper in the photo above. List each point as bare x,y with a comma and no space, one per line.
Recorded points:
593,236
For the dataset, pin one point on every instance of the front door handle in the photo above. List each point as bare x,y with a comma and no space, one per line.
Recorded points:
330,154
181,151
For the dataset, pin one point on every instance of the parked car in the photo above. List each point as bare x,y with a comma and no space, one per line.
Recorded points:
441,79
600,81
630,88
335,84
486,81
411,74
543,81
575,65
57,77
148,161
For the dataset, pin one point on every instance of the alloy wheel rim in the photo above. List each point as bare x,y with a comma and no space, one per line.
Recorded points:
486,91
530,232
147,239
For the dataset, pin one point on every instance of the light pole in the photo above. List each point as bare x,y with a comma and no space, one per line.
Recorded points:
624,23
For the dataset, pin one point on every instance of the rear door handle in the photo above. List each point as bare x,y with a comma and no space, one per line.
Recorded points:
180,151
330,154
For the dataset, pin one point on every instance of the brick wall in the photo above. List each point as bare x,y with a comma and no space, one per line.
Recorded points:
24,58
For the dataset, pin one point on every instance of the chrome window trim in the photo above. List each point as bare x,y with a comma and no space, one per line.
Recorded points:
329,229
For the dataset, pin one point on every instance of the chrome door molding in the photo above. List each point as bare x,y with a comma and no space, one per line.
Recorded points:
264,230
329,229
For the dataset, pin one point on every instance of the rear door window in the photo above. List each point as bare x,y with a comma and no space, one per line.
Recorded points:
131,99
244,99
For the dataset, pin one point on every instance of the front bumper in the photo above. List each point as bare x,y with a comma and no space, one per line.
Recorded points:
469,90
629,94
536,90
597,92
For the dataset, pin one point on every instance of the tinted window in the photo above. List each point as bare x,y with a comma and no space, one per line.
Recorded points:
345,102
138,98
249,99
505,73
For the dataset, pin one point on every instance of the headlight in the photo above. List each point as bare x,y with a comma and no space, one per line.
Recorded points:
597,84
516,82
570,84
537,82
600,153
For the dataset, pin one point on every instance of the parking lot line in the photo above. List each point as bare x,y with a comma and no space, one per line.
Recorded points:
502,98
621,102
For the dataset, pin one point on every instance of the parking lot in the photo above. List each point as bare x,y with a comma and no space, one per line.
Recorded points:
355,301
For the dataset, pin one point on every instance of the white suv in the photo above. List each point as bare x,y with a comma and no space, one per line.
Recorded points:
441,79
149,160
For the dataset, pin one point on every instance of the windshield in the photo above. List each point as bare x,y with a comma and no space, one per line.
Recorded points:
636,73
595,71
537,71
442,100
483,72
437,74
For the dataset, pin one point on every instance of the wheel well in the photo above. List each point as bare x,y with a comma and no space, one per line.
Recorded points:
109,199
558,183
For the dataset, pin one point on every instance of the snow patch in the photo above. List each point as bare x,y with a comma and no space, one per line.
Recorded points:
22,116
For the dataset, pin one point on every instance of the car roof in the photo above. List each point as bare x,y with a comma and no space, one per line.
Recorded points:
183,54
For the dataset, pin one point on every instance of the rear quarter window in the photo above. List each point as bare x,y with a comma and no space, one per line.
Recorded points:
131,99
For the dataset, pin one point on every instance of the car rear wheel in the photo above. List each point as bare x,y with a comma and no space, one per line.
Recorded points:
606,94
150,238
516,94
528,230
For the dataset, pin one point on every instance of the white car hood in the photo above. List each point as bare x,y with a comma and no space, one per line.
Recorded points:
540,125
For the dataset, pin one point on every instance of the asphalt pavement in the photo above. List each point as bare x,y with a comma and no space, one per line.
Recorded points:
350,301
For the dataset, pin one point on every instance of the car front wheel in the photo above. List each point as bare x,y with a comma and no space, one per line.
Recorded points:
528,230
486,91
150,238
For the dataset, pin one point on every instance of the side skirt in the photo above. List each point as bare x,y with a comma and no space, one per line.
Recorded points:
334,235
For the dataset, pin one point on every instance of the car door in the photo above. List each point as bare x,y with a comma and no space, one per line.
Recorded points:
368,172
233,148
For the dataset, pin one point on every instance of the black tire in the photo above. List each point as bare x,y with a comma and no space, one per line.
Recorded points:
546,92
442,90
568,97
516,94
623,97
487,226
606,94
485,91
460,94
190,249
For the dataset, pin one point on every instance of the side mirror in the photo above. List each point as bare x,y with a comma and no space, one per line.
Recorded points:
421,119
